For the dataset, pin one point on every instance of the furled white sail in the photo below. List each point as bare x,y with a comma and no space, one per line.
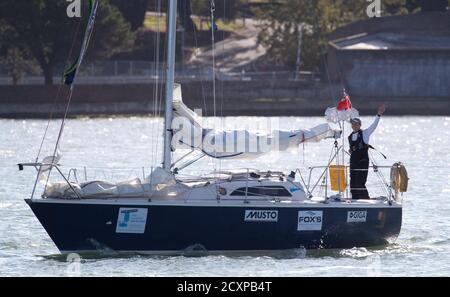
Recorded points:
189,133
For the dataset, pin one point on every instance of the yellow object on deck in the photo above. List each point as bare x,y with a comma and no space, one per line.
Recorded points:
338,178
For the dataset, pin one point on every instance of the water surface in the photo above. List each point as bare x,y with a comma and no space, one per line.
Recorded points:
422,249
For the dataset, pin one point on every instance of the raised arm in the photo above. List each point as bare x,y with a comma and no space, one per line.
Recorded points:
369,130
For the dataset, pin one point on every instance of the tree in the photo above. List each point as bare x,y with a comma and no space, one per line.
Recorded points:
184,8
17,64
15,60
282,19
410,6
133,11
44,29
225,9
433,5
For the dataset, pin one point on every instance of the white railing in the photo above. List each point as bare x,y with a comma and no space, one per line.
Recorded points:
316,184
378,182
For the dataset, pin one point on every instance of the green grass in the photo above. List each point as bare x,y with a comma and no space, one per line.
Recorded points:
151,23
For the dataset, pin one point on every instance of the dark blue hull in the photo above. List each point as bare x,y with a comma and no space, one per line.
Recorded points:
170,228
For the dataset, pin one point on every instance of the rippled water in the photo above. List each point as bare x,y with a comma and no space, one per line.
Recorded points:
422,249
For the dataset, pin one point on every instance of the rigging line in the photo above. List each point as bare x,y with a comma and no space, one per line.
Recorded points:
325,174
213,48
48,122
343,142
87,36
213,8
379,173
327,71
69,98
201,78
223,53
339,72
157,73
340,75
221,81
161,82
52,110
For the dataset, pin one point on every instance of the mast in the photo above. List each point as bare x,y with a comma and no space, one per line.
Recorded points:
170,75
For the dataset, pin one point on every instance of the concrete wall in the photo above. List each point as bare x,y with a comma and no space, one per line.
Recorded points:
264,98
232,98
396,73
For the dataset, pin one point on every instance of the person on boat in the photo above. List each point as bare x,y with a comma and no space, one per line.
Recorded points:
359,156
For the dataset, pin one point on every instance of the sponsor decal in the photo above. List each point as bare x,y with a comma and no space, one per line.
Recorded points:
261,216
131,220
356,216
310,220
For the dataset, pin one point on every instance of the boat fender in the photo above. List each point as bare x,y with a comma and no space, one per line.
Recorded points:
399,178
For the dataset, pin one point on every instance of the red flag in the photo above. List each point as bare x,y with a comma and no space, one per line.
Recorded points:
344,103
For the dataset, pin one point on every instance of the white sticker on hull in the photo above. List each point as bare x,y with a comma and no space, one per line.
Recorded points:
261,216
310,220
131,220
356,216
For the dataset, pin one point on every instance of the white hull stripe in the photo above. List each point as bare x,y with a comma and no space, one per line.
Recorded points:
222,203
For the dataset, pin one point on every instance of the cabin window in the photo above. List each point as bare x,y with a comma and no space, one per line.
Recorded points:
275,191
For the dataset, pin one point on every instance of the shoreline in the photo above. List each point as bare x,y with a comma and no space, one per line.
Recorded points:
253,98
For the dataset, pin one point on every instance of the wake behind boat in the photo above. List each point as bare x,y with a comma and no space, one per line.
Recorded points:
227,211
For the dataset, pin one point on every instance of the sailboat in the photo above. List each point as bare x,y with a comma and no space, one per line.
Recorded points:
227,212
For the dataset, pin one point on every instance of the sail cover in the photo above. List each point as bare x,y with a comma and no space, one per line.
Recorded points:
188,133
